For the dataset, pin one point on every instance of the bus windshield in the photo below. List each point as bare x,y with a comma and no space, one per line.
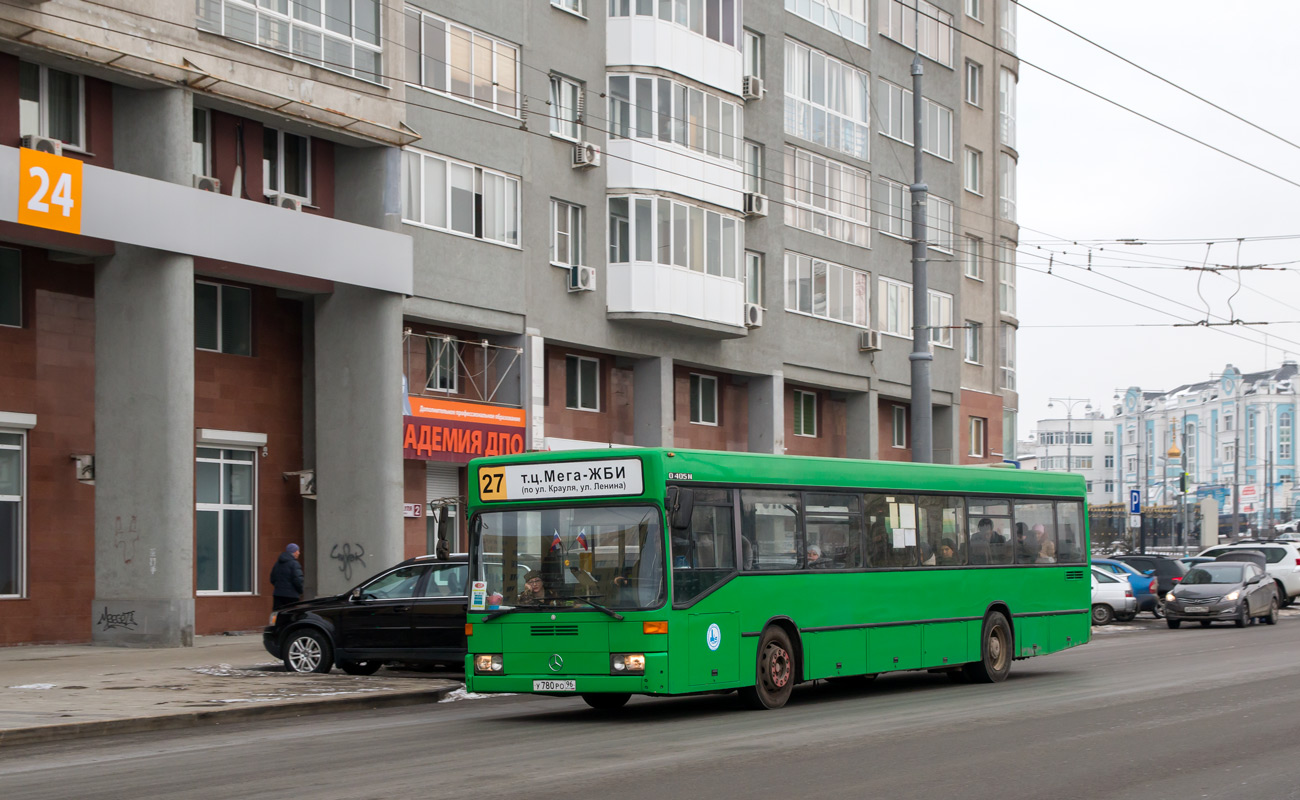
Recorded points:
565,557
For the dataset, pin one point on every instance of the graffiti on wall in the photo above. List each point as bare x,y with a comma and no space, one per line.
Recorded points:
346,557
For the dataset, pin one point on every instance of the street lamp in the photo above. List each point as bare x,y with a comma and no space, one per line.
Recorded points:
1069,403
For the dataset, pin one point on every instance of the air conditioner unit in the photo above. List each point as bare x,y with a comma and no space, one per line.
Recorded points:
869,341
586,154
306,482
207,183
753,315
582,279
43,144
752,87
755,205
286,202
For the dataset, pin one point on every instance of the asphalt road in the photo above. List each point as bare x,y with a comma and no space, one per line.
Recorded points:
1142,712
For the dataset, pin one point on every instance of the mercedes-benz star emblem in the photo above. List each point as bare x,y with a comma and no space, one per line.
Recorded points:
556,663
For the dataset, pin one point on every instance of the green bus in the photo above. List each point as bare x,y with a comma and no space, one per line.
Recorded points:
608,573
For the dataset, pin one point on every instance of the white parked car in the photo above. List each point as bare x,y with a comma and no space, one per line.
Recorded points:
1112,596
1283,564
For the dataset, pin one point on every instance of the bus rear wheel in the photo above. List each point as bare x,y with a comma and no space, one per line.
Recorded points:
606,702
995,651
774,672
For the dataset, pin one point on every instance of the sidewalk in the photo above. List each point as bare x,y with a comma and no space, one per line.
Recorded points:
51,692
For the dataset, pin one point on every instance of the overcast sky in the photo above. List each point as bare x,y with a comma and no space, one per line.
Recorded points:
1091,171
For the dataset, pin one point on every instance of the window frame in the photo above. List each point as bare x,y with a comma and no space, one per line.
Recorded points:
291,22
896,107
445,362
267,189
801,108
754,158
752,55
888,216
220,508
941,318
799,418
974,342
754,277
805,208
934,23
478,212
20,563
632,117
1007,279
898,424
975,10
1007,356
575,215
973,92
222,288
558,85
1007,166
973,258
573,364
937,132
697,383
691,218
43,105
447,62
973,171
1007,81
902,301
578,9
795,281
978,430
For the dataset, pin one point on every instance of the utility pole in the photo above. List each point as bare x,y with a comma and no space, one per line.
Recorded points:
922,412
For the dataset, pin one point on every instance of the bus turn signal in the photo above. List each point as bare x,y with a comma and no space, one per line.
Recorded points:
655,627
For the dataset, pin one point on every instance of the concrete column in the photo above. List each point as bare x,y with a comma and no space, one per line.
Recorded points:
863,422
310,555
144,402
767,413
358,435
652,402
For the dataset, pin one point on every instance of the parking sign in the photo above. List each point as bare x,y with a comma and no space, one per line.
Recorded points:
1134,501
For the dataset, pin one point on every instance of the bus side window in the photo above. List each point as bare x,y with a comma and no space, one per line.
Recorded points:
1069,519
891,530
943,530
771,523
1036,540
833,522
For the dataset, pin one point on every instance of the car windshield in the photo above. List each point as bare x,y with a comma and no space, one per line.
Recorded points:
565,557
1214,573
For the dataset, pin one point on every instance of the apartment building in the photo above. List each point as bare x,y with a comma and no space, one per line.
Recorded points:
527,224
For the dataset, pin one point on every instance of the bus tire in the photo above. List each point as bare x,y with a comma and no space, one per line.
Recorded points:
773,672
995,651
606,701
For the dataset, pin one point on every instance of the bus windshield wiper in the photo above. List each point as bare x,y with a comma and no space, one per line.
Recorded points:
501,612
599,608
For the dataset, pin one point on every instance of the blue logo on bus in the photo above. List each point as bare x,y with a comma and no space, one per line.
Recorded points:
714,637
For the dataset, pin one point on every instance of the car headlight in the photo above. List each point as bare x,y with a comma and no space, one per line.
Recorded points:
1233,595
488,664
627,664
1169,597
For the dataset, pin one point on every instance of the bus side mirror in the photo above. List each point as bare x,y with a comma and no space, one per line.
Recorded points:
681,504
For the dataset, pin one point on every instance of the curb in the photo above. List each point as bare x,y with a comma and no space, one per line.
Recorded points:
217,716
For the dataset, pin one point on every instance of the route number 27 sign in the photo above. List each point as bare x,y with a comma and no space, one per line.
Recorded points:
49,191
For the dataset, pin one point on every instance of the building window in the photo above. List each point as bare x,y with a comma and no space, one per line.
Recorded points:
1007,18
900,427
974,171
826,290
1252,433
895,110
51,103
661,231
753,167
828,198
1007,353
898,21
442,359
978,426
566,234
462,63
1009,421
975,9
974,341
644,107
1110,462
1131,464
1108,438
893,211
1007,107
576,6
1007,278
719,20
940,318
826,101
225,487
566,108
581,383
11,287
704,399
973,258
847,18
938,213
343,36
460,198
805,413
1082,462
286,164
937,129
753,277
753,55
12,486
201,143
223,318
1007,187
1110,487
895,313
974,84
1283,437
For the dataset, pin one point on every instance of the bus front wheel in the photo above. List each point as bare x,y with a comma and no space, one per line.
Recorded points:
606,702
995,651
774,672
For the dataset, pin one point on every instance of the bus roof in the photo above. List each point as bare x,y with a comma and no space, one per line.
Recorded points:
712,466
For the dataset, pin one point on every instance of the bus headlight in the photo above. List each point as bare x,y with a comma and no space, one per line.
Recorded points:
488,664
627,664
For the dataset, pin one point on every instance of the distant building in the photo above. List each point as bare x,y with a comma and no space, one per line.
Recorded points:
1077,444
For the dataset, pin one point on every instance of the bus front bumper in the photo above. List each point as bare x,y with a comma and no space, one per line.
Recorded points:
654,681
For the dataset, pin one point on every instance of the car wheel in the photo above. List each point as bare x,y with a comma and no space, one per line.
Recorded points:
774,672
1271,617
308,650
1102,614
1242,615
606,702
1205,623
360,667
995,652
1283,599
1173,623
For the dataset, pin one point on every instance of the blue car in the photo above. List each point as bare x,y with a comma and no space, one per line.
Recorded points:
1143,583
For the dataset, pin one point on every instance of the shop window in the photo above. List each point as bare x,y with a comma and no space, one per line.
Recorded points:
11,513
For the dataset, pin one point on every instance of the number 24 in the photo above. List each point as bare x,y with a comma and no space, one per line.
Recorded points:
62,192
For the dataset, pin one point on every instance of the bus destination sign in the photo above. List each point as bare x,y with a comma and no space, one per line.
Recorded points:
570,479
